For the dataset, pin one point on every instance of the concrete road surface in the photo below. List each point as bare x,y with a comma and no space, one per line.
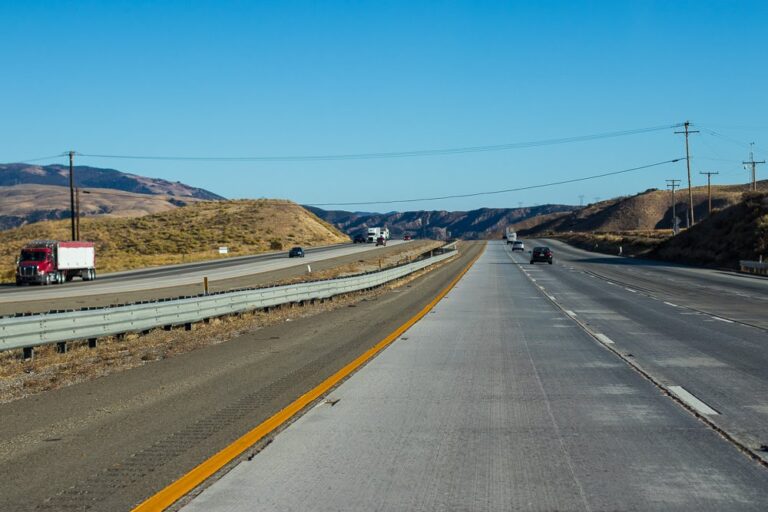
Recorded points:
498,400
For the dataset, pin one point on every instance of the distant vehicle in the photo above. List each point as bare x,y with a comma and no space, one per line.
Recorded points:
541,254
296,252
375,233
407,237
381,241
52,262
518,245
359,239
510,235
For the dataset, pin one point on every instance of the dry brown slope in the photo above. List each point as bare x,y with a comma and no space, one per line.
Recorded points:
648,210
190,233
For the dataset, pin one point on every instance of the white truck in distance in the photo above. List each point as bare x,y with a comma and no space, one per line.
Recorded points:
510,235
375,233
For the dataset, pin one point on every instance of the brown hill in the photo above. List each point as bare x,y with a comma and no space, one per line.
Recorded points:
96,177
23,204
189,233
739,232
648,210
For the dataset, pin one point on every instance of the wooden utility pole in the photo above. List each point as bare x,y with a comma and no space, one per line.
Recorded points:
690,217
72,193
77,213
709,189
753,163
673,184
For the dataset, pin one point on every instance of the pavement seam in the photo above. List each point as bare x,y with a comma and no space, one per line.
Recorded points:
744,448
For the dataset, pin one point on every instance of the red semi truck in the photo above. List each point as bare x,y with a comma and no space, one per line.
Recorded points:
52,262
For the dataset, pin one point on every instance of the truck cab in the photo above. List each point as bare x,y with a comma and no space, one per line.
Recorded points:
36,265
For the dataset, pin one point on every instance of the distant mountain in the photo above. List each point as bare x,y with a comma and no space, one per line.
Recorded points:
95,177
31,193
473,224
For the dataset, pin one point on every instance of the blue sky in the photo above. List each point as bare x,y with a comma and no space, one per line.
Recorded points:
308,78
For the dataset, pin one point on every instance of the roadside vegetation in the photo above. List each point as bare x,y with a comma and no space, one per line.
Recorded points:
186,234
51,370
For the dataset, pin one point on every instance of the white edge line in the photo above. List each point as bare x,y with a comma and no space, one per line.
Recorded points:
670,304
722,319
569,312
630,290
691,401
603,338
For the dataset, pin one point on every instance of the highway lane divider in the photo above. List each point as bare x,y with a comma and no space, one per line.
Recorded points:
187,483
27,332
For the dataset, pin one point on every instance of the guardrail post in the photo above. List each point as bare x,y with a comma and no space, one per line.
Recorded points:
28,353
205,284
92,342
188,326
61,347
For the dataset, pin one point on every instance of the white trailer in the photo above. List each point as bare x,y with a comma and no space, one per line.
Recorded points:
375,233
510,235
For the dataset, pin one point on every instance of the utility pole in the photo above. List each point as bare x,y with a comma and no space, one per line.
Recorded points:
673,184
581,200
709,189
72,193
77,213
753,164
689,218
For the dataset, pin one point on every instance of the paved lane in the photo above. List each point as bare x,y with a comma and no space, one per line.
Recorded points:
739,297
180,275
496,401
723,363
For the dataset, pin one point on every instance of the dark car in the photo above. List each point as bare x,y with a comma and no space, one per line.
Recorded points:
360,239
407,237
381,241
541,254
296,252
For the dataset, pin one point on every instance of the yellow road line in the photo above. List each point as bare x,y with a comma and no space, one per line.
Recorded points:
168,496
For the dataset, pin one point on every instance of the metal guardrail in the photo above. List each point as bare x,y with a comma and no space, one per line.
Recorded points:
35,330
754,267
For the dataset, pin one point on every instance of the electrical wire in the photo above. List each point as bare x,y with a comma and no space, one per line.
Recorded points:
395,154
503,191
29,160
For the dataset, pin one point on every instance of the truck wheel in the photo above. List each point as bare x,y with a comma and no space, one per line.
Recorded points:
18,282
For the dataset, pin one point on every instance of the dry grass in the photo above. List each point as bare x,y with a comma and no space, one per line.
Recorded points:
632,243
50,370
190,233
739,232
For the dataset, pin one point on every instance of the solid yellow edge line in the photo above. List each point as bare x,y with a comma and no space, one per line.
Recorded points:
175,491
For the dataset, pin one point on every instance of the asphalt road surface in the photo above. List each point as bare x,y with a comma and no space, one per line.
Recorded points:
739,297
500,400
706,351
180,280
108,444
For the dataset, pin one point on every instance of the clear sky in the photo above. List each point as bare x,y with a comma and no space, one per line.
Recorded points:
312,78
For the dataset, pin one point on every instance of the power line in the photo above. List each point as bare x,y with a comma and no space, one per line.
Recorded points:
38,159
503,191
395,154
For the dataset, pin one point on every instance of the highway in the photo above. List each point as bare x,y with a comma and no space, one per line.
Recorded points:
595,383
177,280
513,397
